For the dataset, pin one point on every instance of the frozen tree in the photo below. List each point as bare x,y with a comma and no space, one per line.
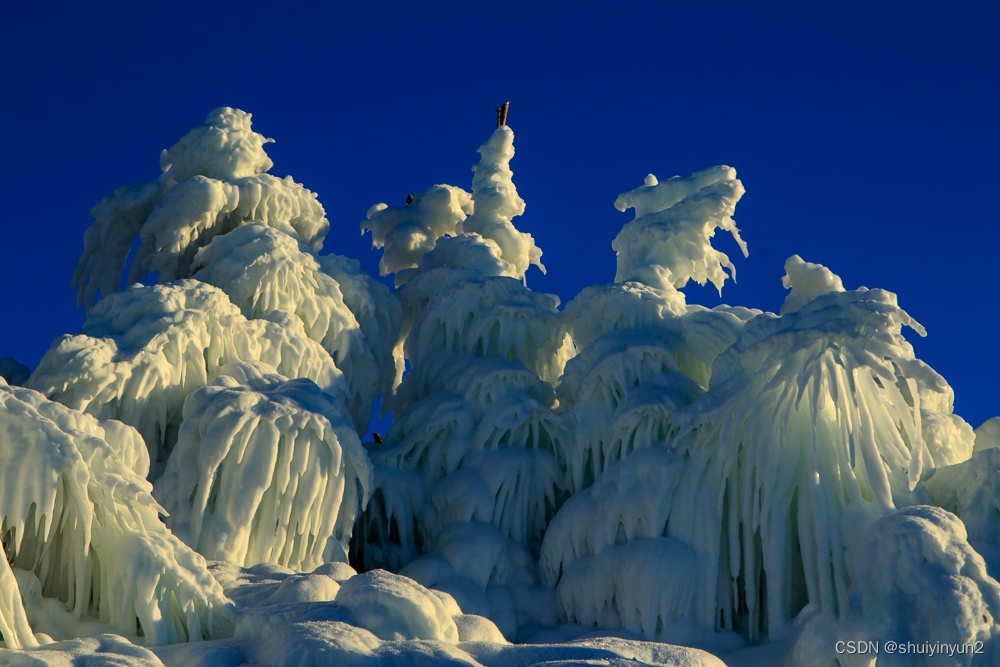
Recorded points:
476,441
818,410
633,463
447,226
642,350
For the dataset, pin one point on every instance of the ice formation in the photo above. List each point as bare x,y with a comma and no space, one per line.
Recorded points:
266,470
631,464
476,445
213,181
642,351
80,526
267,272
144,350
447,226
669,242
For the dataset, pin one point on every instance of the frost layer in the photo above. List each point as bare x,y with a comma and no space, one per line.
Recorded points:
79,519
265,471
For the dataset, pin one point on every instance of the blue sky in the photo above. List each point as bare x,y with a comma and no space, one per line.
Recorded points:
865,134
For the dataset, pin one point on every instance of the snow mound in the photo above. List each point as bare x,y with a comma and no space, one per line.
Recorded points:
919,584
971,490
395,607
807,281
381,618
265,471
213,181
142,351
917,577
79,524
669,241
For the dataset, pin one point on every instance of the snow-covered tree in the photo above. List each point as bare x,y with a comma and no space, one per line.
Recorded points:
476,441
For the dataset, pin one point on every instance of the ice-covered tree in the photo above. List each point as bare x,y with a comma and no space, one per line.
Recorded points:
144,350
642,350
475,441
808,414
249,320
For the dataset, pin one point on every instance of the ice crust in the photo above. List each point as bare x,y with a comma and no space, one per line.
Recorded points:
629,466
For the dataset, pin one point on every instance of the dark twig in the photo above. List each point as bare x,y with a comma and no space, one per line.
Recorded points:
502,113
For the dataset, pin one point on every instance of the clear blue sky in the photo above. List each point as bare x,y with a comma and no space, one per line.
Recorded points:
865,134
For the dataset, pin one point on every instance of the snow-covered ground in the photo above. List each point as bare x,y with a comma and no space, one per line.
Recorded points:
629,479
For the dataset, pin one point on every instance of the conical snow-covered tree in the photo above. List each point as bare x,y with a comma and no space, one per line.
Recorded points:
475,442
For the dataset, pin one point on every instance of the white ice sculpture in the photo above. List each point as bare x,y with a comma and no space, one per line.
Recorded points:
266,272
143,350
213,181
79,524
265,469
